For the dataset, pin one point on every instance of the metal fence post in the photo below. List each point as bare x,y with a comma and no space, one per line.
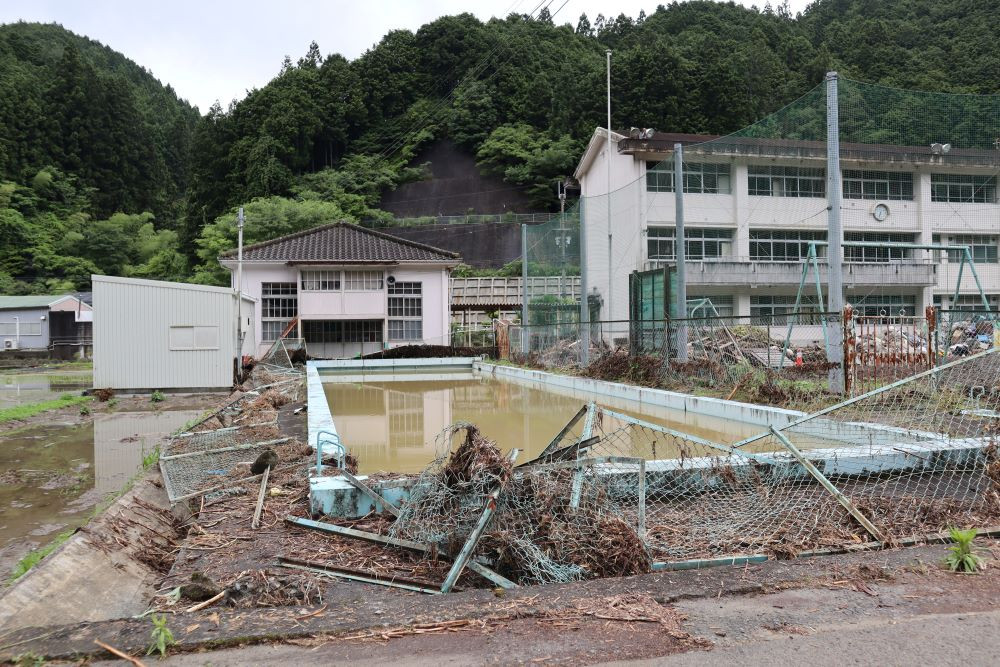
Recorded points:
680,252
641,510
850,348
524,288
828,485
835,234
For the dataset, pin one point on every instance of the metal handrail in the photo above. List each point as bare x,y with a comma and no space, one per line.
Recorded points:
341,451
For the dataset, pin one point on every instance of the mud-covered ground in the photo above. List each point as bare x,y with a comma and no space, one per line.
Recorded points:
763,611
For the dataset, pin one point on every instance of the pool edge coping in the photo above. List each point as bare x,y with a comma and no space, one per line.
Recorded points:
750,413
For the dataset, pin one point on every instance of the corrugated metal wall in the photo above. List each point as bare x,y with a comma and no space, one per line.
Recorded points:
132,321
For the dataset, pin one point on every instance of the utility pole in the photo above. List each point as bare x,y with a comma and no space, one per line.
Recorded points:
608,159
835,236
239,291
680,252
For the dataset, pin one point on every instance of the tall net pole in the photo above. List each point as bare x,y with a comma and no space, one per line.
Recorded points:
611,314
239,293
584,304
835,348
524,289
679,250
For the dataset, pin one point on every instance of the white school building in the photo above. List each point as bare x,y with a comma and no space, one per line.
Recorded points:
752,207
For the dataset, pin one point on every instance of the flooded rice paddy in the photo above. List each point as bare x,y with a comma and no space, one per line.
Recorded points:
391,422
52,476
24,388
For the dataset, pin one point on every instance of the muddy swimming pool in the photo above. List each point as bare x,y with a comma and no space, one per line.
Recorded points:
391,422
52,476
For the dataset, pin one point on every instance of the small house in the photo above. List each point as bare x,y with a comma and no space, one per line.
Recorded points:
59,324
347,290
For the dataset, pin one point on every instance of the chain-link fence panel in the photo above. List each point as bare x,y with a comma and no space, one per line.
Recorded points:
215,448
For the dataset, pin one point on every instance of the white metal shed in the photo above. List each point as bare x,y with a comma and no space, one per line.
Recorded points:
151,334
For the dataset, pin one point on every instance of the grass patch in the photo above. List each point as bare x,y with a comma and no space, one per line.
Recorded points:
31,409
85,364
34,557
80,379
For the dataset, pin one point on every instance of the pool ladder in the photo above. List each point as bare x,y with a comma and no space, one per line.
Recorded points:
332,439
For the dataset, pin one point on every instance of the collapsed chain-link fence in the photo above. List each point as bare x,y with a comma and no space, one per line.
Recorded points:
282,356
219,445
613,493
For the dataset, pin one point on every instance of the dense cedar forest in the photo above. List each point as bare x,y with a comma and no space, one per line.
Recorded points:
103,169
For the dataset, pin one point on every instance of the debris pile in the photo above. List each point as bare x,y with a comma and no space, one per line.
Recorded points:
538,533
971,336
890,343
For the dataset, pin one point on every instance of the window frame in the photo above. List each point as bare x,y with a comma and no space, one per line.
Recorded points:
405,311
22,329
888,307
724,304
363,281
319,280
759,175
777,308
279,305
785,239
174,346
875,255
949,188
696,241
705,178
984,248
868,180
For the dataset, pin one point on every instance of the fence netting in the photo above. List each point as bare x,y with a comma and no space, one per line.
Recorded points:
220,445
917,204
551,258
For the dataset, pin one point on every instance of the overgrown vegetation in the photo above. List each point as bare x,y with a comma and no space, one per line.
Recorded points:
151,459
105,170
157,397
19,412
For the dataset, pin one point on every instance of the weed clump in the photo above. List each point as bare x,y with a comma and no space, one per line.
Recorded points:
961,557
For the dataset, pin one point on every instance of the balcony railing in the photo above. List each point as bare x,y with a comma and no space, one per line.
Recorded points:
754,272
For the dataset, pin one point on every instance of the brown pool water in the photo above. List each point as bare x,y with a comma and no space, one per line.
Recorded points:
53,476
392,423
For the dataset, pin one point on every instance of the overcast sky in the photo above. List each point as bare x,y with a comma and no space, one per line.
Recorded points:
212,50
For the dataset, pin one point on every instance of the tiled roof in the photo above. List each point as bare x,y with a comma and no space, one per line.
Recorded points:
342,242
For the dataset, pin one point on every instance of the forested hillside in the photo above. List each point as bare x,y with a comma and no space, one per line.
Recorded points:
86,134
94,162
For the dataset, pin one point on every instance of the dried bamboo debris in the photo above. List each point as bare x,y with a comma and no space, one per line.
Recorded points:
536,536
